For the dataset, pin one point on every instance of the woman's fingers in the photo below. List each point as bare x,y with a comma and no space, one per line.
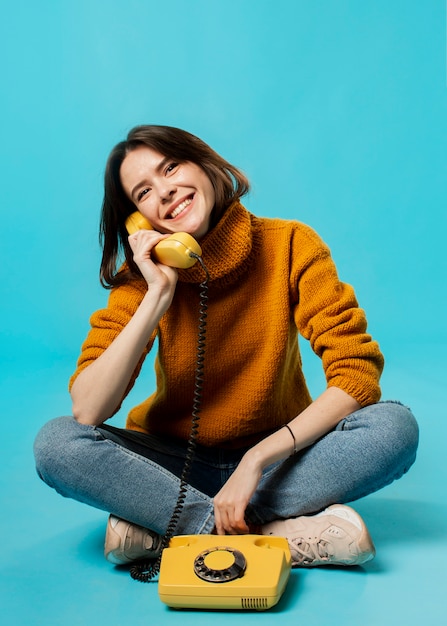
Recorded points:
142,243
230,517
232,500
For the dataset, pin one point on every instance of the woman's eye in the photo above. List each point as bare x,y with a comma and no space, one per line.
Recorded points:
142,193
171,167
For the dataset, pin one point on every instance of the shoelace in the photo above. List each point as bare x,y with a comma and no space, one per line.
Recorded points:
306,552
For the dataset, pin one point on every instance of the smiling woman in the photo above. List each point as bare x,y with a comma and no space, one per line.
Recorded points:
269,458
162,151
172,196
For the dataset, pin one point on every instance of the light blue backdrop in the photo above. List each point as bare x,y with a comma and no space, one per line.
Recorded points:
335,109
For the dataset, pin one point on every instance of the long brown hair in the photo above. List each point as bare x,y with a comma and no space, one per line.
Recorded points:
228,182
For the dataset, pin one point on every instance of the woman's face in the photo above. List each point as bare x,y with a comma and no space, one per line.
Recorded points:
173,196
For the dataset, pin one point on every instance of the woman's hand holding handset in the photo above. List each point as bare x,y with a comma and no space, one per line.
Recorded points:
157,276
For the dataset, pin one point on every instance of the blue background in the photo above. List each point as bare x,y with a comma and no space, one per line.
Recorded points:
336,110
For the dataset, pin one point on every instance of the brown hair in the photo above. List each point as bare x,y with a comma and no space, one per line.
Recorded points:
228,182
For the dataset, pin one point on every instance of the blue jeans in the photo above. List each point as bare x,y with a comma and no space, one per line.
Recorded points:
136,476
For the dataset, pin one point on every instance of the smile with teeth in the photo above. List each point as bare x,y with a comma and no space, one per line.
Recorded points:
181,207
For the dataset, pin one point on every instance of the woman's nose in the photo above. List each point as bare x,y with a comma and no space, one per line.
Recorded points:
166,192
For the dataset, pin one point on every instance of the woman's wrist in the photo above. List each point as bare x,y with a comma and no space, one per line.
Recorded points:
156,302
253,459
273,448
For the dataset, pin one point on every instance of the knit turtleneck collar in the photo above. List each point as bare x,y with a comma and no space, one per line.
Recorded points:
226,249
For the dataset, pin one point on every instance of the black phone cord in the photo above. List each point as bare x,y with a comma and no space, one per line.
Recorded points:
146,571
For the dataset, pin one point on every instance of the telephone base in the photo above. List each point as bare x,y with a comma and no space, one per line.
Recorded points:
224,572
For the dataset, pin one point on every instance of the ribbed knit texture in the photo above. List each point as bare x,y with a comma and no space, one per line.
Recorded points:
269,279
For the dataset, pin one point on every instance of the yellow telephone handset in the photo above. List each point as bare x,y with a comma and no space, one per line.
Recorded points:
174,251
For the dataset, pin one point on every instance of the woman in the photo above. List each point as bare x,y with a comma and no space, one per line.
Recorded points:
268,459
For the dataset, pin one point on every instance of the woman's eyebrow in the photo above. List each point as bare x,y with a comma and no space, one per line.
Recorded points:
138,186
163,164
159,168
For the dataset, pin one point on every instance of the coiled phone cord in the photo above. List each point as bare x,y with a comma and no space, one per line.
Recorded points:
145,571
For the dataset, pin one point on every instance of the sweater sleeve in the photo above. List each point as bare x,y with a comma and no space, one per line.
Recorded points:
106,324
328,315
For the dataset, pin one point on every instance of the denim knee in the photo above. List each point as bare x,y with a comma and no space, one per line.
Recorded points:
403,426
392,430
53,447
404,416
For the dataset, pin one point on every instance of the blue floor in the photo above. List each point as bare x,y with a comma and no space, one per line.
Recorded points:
53,572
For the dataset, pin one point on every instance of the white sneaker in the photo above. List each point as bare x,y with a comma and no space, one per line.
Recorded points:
336,536
126,542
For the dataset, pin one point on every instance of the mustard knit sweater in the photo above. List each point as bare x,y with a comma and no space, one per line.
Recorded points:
269,280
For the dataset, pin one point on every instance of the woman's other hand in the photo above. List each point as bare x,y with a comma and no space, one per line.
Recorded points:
232,500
